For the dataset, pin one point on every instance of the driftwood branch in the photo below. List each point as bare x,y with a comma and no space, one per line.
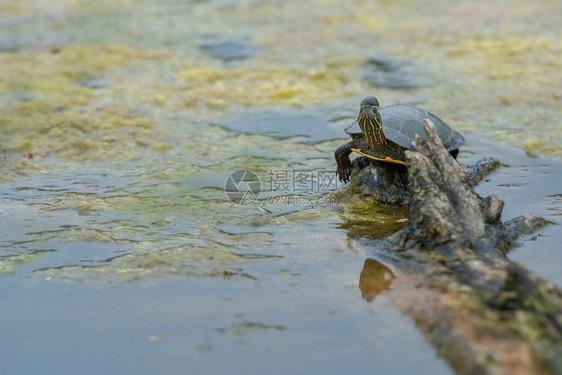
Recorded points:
483,313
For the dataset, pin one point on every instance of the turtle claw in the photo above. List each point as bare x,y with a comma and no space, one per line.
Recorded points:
344,174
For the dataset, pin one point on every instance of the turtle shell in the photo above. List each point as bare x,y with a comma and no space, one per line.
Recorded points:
401,123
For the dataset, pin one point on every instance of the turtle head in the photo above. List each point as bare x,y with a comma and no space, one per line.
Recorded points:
369,121
370,100
369,107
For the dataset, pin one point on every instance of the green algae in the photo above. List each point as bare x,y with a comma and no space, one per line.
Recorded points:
127,102
498,78
364,217
8,264
190,261
252,328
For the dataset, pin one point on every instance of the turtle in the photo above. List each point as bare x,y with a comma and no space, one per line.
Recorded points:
384,133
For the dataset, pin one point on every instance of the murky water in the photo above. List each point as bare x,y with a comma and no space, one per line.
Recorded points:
120,124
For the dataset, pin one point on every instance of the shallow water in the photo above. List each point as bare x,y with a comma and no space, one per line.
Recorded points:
527,185
120,124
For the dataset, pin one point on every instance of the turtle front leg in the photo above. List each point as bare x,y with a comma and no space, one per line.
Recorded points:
343,162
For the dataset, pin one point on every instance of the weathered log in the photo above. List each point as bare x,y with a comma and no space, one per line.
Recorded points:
388,183
483,313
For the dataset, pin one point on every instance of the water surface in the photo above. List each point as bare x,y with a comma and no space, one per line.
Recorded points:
121,122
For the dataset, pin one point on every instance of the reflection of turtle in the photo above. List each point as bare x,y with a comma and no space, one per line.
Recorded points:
375,277
385,133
